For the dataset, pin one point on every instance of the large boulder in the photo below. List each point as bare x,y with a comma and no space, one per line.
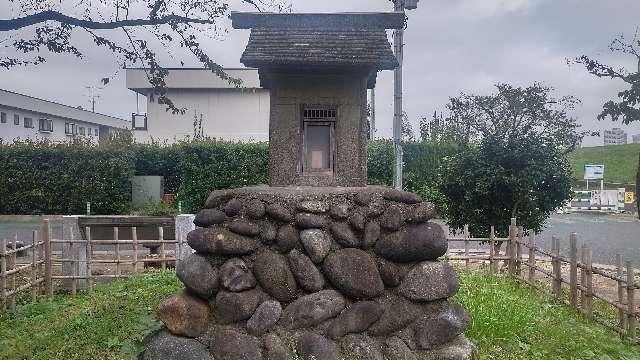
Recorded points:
198,275
279,212
231,307
254,209
397,313
287,238
396,349
401,196
230,344
459,349
428,281
307,275
414,243
354,319
162,344
264,318
236,276
313,206
273,273
276,349
421,212
362,346
354,273
310,221
344,235
311,310
208,217
220,241
184,314
316,243
437,328
391,219
315,346
232,207
244,227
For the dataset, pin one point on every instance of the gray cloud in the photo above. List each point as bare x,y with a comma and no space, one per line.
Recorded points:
451,46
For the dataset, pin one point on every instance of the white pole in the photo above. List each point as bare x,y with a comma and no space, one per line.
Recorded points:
398,36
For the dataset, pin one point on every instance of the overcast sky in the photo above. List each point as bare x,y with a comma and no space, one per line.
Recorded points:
451,46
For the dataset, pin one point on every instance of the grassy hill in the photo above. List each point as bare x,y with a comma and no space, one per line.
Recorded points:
620,161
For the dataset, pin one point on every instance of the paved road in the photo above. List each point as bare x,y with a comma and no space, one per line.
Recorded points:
606,235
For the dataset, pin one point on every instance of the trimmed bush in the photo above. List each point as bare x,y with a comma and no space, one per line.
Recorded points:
45,178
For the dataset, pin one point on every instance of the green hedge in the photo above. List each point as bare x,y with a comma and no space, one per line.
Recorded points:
41,177
44,178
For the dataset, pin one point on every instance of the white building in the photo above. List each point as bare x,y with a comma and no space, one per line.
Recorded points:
25,117
615,136
635,139
220,109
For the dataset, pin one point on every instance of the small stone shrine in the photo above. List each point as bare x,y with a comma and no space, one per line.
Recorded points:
317,265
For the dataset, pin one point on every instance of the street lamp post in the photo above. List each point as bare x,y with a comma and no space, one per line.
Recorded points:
398,38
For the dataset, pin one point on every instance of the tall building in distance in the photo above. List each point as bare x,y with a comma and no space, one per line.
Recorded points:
635,139
615,136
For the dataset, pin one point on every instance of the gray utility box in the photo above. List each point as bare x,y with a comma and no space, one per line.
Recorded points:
146,189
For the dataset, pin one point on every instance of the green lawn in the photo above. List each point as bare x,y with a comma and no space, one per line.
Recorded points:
508,323
620,161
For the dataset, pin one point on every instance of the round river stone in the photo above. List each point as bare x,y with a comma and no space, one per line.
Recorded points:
353,272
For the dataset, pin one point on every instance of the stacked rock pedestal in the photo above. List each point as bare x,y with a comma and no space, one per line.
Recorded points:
318,272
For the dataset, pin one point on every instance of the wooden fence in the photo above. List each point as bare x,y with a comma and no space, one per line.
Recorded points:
578,277
73,264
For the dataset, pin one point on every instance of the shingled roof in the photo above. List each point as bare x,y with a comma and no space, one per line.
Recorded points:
313,47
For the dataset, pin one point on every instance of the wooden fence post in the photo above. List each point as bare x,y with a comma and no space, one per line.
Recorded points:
519,239
162,247
87,231
134,238
466,247
573,270
532,261
492,250
116,239
631,304
511,253
3,272
621,290
557,270
34,266
589,266
46,238
583,277
14,265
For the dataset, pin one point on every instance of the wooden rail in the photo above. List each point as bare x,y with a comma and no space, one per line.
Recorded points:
84,266
578,279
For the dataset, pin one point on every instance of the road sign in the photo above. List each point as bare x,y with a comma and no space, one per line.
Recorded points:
593,172
628,197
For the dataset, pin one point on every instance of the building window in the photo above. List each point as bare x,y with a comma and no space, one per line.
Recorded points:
70,129
96,132
45,125
28,123
16,119
89,131
139,122
81,130
318,144
3,118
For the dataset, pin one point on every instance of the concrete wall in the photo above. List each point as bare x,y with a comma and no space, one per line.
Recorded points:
230,114
289,93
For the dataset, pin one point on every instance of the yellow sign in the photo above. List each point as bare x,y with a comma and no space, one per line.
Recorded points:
628,198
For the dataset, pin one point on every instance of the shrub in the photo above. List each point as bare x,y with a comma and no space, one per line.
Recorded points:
38,177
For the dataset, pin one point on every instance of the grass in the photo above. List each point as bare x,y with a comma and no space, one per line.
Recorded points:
508,323
106,324
620,161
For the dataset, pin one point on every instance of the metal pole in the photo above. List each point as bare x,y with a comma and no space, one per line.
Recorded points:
398,36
